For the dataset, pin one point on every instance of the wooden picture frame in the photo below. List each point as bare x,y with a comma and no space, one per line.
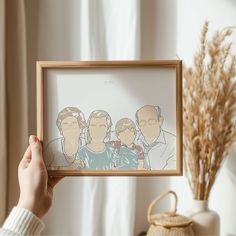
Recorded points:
83,98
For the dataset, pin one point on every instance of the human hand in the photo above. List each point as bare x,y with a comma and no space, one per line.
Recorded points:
36,188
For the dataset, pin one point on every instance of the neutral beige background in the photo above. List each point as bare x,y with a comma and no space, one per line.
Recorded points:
168,28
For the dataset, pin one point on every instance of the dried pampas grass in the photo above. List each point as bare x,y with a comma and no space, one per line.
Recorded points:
209,105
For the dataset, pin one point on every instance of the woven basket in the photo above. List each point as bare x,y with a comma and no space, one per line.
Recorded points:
168,223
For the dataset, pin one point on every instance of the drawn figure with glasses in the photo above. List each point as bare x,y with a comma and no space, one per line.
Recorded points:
158,144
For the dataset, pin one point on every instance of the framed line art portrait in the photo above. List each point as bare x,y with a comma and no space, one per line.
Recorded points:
121,118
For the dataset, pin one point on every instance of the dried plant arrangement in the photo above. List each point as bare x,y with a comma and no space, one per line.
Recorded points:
209,106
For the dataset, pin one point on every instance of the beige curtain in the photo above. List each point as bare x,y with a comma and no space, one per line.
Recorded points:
3,151
14,87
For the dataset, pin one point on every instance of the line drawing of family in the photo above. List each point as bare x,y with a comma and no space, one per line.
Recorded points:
92,145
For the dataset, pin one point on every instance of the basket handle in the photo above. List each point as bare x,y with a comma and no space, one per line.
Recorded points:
157,199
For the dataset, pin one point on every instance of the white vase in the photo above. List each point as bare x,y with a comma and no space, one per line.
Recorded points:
206,221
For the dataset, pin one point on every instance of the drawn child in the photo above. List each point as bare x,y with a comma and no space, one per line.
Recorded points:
60,153
97,154
131,156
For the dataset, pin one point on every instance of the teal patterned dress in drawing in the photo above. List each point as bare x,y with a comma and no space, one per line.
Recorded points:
97,160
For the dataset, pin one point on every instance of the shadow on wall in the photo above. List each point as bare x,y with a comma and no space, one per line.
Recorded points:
158,41
158,29
231,164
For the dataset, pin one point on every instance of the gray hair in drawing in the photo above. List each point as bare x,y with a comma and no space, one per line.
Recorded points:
157,108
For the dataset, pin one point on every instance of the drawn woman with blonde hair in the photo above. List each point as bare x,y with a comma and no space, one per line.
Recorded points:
60,153
97,154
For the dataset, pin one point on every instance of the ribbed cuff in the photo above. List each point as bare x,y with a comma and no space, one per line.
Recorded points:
23,222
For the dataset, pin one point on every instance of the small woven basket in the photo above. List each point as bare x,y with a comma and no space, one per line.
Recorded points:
168,223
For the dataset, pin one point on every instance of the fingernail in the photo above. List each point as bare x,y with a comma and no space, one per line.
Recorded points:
33,139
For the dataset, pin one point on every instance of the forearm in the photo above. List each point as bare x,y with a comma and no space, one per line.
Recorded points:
22,222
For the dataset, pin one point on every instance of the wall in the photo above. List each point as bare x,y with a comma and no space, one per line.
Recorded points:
180,25
191,17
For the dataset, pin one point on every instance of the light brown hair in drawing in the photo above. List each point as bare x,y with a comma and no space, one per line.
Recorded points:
99,114
71,111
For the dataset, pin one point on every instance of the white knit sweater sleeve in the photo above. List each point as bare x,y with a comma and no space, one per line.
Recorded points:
22,222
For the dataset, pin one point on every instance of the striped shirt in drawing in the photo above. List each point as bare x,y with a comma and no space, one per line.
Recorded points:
161,154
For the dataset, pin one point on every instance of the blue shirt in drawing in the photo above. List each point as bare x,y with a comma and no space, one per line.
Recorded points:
127,157
97,160
160,155
55,156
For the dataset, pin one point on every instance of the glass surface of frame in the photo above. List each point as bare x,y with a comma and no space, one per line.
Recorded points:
110,117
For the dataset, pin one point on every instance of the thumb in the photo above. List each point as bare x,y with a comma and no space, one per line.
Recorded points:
26,158
36,148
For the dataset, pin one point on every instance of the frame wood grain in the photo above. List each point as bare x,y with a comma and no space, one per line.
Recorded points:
41,66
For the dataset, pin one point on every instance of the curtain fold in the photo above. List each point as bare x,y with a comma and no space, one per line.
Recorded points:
92,30
13,99
17,93
3,133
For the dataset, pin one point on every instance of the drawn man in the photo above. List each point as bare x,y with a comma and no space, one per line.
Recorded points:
159,145
97,154
130,156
